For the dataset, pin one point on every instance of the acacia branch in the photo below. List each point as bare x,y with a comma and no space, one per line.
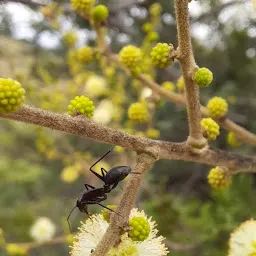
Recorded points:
185,52
89,129
119,221
188,65
229,125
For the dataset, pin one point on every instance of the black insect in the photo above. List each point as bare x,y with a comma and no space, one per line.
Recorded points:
94,195
113,176
91,195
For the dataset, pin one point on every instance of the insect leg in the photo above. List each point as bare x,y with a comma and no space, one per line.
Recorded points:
95,173
103,172
115,184
85,207
85,210
87,186
96,200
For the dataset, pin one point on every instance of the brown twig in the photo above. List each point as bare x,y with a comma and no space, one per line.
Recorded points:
100,31
229,125
188,65
119,221
161,149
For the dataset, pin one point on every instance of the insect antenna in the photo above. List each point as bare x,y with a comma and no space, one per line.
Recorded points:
102,157
69,217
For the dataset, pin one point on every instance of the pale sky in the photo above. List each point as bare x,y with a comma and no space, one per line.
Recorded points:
22,16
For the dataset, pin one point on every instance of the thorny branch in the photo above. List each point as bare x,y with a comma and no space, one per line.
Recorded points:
229,125
188,65
89,129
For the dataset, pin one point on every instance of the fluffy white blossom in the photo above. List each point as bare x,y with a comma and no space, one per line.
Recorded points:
43,229
95,86
145,93
104,112
89,235
94,228
243,240
153,245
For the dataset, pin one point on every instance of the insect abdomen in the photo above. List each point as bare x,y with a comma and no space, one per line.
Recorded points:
117,174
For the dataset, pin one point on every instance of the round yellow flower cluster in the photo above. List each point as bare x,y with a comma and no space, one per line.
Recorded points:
106,213
169,86
12,95
83,7
153,133
147,27
140,229
218,178
203,77
81,105
155,9
100,13
70,38
181,84
15,249
217,107
138,112
233,140
160,55
152,36
85,54
70,173
131,57
211,128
